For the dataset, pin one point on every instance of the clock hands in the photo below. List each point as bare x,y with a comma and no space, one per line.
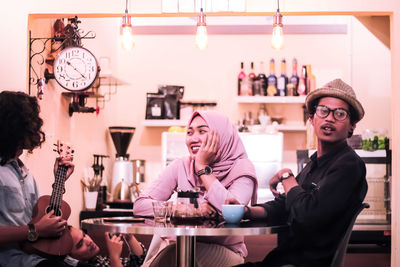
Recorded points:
69,63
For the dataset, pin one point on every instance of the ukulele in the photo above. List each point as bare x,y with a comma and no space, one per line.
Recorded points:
61,245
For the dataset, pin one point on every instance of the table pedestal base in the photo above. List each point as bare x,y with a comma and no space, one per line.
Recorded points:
185,251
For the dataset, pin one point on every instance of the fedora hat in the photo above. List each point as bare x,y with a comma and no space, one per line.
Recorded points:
339,89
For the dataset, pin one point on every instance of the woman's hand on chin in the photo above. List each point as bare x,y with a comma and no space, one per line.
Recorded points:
208,152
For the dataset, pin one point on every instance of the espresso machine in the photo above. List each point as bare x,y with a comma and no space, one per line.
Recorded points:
122,177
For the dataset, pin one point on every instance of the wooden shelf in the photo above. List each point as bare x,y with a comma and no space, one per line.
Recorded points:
163,123
169,123
271,99
291,128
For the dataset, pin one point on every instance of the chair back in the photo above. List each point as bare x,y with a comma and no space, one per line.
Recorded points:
338,258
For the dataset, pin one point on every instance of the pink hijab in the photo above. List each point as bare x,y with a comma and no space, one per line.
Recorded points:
233,161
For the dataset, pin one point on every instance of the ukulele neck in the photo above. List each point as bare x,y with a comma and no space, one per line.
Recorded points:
58,189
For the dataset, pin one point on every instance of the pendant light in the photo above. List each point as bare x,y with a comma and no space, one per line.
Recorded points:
277,30
126,30
201,34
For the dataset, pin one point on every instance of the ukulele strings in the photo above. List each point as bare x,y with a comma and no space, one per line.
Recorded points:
58,190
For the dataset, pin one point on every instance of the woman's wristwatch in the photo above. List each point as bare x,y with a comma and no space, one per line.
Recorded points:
285,176
207,171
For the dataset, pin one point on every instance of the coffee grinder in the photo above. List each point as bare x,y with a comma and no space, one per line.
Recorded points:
122,177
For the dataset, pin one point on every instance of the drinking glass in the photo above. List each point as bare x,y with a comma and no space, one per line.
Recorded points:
160,209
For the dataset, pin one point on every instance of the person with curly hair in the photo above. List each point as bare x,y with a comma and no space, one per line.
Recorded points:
21,130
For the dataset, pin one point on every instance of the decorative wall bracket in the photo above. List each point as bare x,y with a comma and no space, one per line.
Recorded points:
71,35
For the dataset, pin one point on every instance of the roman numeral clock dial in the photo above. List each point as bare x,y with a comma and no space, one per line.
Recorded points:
75,68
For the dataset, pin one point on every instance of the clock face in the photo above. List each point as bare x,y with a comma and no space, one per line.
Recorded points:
75,68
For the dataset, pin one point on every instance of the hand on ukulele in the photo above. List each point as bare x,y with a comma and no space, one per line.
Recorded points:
66,161
50,225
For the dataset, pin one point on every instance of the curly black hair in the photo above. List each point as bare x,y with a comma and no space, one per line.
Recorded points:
21,124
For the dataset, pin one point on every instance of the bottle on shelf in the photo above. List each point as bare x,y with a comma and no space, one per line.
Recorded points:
243,127
263,117
272,80
246,87
241,76
249,119
294,79
302,88
262,79
311,80
311,142
252,76
282,80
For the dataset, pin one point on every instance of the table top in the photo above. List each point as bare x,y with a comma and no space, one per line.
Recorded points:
135,225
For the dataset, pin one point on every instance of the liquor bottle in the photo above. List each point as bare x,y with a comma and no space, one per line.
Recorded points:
271,90
246,88
282,80
262,79
311,80
302,88
294,79
241,76
252,77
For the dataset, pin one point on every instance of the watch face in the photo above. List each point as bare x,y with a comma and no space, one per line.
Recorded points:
207,170
75,68
286,175
32,234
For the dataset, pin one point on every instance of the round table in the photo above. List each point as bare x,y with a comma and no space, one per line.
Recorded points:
185,234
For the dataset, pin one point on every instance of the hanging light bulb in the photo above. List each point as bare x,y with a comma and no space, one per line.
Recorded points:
277,31
126,30
201,34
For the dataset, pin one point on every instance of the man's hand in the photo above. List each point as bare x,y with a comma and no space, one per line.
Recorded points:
234,201
66,161
208,211
275,180
50,225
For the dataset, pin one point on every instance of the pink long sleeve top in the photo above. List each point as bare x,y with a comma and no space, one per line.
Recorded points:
234,172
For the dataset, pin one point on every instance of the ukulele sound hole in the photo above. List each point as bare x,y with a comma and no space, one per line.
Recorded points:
57,211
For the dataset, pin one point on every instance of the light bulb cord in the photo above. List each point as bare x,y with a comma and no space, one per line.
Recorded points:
277,18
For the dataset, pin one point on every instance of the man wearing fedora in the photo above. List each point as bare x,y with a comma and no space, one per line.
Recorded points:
320,201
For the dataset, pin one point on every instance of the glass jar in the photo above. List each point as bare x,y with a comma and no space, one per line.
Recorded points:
187,209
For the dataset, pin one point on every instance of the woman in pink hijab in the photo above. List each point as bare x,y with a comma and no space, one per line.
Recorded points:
218,167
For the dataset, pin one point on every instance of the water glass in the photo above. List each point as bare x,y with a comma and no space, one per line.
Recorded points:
160,209
170,207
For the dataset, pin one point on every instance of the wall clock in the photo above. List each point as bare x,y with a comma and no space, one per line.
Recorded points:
75,68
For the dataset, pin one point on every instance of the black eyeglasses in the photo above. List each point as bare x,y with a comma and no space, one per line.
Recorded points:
339,114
